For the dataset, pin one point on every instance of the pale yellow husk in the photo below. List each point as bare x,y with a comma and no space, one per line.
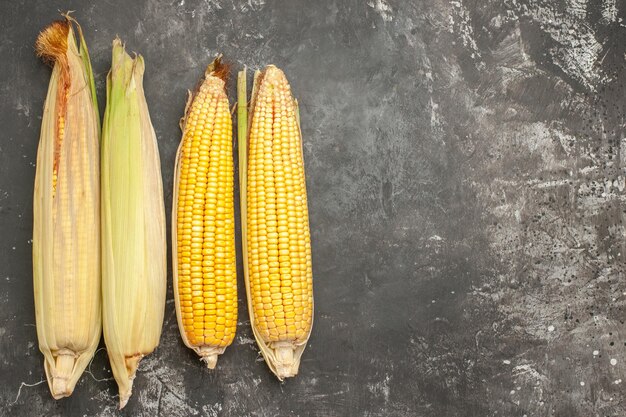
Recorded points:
66,236
133,223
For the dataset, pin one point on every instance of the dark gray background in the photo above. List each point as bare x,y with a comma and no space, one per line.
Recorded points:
466,182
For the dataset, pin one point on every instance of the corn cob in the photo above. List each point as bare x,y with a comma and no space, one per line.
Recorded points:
66,247
203,221
277,246
133,223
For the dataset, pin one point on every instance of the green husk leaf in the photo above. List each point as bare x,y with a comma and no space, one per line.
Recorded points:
133,223
88,70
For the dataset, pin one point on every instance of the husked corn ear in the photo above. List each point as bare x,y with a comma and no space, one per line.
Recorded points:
203,221
277,244
133,223
66,212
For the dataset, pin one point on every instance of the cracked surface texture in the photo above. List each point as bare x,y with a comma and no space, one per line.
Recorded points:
466,181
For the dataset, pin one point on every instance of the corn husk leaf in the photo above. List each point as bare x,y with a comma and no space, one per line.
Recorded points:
133,223
66,247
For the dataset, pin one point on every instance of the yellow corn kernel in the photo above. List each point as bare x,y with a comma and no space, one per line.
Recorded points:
203,221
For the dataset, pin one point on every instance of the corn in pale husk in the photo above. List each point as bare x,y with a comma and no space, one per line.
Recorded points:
133,223
275,221
66,236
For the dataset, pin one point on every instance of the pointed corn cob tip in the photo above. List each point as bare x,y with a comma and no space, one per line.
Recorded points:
218,69
51,44
214,84
274,75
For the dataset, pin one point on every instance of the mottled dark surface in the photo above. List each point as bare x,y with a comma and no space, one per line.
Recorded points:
467,198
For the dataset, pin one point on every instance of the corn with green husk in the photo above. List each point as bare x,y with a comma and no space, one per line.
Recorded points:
133,223
66,212
275,221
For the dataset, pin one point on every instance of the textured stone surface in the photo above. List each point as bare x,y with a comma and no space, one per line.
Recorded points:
467,195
